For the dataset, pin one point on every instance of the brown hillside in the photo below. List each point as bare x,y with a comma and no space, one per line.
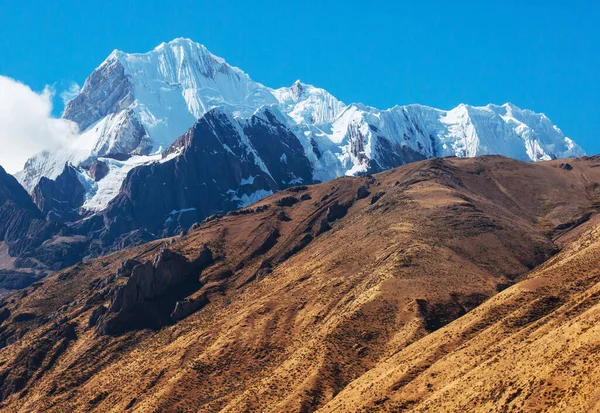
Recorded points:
533,347
314,299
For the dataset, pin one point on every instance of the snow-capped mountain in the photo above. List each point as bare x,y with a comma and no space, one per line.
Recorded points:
134,106
307,104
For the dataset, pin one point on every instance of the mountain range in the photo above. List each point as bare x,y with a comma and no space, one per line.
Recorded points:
208,243
137,105
176,135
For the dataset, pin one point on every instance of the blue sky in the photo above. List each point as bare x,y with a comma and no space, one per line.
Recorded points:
542,55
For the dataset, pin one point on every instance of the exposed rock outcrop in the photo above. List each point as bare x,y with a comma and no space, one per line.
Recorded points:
96,314
188,306
337,211
62,195
287,201
223,165
362,192
98,170
149,295
126,267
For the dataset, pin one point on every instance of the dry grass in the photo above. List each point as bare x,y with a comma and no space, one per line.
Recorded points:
380,313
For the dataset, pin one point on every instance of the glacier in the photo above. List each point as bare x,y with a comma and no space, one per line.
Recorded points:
138,104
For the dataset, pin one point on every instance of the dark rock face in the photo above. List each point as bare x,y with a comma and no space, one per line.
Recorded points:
566,166
127,267
362,192
192,186
391,155
12,191
287,201
323,226
299,188
62,195
267,244
303,242
279,148
22,224
283,217
222,165
98,170
188,306
337,211
95,316
150,294
15,280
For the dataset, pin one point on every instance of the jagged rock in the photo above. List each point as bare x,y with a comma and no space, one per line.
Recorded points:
188,306
119,156
22,225
214,156
62,195
126,267
150,279
107,90
212,218
362,192
24,317
98,170
97,296
287,201
140,299
95,316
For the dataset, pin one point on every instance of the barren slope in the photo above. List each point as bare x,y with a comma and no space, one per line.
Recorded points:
533,347
303,293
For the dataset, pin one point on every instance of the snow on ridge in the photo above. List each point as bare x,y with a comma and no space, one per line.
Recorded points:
99,194
162,93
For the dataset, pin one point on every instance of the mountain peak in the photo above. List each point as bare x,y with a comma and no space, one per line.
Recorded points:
177,52
180,41
297,89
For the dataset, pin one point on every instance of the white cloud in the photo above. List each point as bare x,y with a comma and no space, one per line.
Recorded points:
70,93
26,124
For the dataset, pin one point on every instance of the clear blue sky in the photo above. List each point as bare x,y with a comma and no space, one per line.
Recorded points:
544,56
